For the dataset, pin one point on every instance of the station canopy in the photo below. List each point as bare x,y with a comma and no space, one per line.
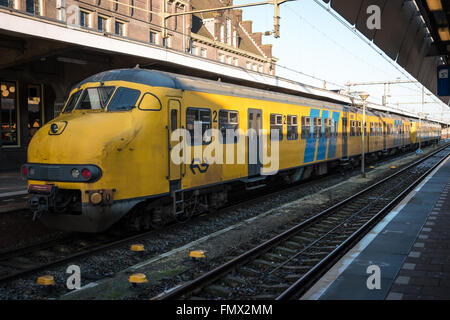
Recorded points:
414,33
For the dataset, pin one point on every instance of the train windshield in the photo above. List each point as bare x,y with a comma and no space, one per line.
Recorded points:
124,99
95,98
72,101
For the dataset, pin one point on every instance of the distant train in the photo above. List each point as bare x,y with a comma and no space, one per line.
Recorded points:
107,157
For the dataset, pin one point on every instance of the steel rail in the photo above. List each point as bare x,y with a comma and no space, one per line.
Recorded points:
215,274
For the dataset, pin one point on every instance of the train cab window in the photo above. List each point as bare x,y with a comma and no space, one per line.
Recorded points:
124,99
306,128
228,121
352,128
95,98
199,117
292,127
72,101
276,124
317,131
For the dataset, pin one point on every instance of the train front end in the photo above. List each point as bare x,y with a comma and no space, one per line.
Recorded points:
83,166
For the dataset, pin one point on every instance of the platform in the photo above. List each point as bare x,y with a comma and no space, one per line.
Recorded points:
13,191
411,247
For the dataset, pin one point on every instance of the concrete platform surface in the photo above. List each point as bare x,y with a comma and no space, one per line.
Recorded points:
406,256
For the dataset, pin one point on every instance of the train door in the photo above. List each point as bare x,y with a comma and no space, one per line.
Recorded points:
344,137
174,124
254,126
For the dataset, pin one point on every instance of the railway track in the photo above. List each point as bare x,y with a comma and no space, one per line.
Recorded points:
287,265
45,255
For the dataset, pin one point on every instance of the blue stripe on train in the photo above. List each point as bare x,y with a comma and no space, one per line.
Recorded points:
323,141
310,150
333,139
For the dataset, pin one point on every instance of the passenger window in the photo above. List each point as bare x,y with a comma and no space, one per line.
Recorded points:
371,129
327,125
229,120
317,128
72,101
358,131
352,128
124,99
292,128
276,124
200,117
174,120
335,133
306,128
95,98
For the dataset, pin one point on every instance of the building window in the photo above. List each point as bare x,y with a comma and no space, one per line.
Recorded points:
102,24
167,42
7,3
249,66
120,28
255,67
194,50
8,114
84,19
33,6
228,32
203,52
236,62
229,60
35,120
221,57
153,37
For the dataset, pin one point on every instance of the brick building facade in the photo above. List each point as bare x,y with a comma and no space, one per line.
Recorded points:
35,74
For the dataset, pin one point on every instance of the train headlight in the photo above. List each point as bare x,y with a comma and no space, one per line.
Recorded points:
31,171
75,173
54,128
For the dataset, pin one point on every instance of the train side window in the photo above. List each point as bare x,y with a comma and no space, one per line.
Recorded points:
276,124
371,129
352,128
200,117
317,128
95,98
358,129
149,102
228,120
335,132
173,120
327,125
292,128
124,99
306,128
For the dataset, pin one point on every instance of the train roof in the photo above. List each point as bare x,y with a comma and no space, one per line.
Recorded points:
163,79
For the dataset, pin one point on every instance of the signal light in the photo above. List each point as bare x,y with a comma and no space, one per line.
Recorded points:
86,173
24,171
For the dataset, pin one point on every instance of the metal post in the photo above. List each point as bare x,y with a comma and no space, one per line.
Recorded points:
363,134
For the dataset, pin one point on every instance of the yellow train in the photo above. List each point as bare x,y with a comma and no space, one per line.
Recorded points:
108,156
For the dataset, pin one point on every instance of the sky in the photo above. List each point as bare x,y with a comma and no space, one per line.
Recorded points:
315,43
